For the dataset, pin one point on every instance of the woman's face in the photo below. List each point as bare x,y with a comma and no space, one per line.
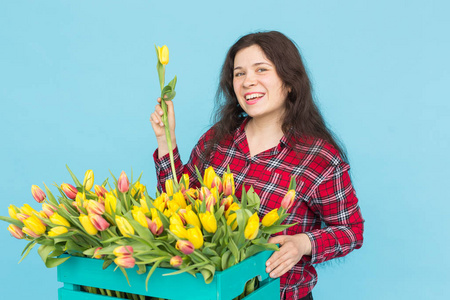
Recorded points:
258,88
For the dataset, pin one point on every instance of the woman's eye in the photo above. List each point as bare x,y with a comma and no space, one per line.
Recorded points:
261,70
238,74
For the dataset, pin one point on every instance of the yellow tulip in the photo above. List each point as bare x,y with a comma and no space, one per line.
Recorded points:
270,218
139,216
35,225
138,188
169,187
184,181
252,228
209,222
176,219
173,206
231,221
58,230
58,220
179,198
124,226
88,182
209,176
110,203
195,236
233,207
163,55
192,218
144,206
167,213
13,211
28,210
87,224
178,230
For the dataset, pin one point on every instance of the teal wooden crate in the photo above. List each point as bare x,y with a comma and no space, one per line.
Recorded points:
226,285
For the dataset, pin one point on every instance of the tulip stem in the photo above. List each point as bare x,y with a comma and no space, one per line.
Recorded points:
169,145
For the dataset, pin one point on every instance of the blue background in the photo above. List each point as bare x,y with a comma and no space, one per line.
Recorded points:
78,84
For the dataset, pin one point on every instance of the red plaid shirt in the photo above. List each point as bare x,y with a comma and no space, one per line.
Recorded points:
324,193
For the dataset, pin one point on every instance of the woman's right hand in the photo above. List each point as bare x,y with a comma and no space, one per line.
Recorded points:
159,129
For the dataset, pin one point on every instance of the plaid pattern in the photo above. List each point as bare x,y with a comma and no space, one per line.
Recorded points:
324,193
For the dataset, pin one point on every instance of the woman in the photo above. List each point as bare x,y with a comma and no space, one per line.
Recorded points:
267,130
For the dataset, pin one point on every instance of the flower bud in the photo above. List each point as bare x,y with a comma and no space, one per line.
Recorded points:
155,225
210,202
126,261
58,230
94,207
192,218
270,218
163,55
123,184
110,203
38,194
97,254
100,191
178,230
48,209
226,202
70,191
21,217
138,189
139,216
16,231
28,210
123,251
88,181
209,176
99,222
233,207
185,246
208,221
176,219
30,232
58,220
169,187
252,227
195,236
288,199
192,193
231,220
204,193
87,225
184,181
179,199
13,211
144,206
35,225
124,226
217,183
228,184
176,261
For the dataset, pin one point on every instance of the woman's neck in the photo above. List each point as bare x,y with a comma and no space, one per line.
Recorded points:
262,135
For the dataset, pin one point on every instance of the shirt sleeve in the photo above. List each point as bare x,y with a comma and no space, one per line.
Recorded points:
336,203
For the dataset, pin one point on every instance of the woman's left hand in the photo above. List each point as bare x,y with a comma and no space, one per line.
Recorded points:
293,247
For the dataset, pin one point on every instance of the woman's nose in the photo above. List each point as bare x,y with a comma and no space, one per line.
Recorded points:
249,80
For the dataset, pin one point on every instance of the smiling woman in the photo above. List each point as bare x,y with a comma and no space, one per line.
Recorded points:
268,130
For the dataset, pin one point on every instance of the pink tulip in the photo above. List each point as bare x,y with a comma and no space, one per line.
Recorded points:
210,202
21,217
123,184
99,222
69,190
100,191
30,232
126,261
218,184
185,246
288,199
37,193
94,207
153,226
176,261
123,250
16,231
96,254
48,209
204,192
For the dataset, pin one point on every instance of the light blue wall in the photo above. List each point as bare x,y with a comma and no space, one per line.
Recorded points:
78,84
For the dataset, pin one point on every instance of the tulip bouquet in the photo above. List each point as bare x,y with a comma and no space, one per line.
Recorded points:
194,230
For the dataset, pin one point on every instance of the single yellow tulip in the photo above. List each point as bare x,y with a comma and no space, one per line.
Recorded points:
209,176
124,226
88,182
184,181
13,211
144,206
58,230
139,216
87,224
233,207
195,236
169,187
58,220
192,218
270,218
178,230
28,210
179,198
176,219
163,55
252,228
138,189
110,203
208,221
35,225
231,221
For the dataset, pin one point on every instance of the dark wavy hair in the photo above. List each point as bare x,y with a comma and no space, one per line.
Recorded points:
302,120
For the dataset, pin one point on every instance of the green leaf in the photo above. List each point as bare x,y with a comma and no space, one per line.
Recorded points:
44,251
75,180
54,262
234,250
208,273
12,221
293,183
27,249
199,176
150,273
125,274
276,228
225,258
107,263
173,83
50,196
142,269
